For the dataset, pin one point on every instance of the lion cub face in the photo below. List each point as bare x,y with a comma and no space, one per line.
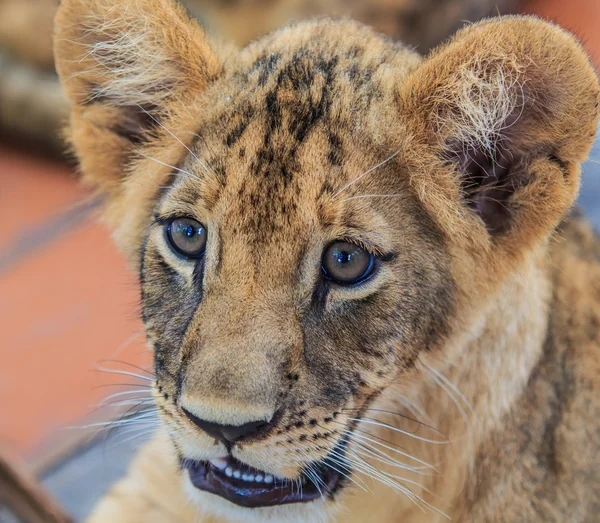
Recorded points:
308,215
279,299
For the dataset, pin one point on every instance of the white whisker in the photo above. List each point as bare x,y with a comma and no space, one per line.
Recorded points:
116,423
380,164
381,456
400,431
146,392
342,462
452,392
366,438
370,471
392,481
187,148
124,373
368,453
371,196
168,165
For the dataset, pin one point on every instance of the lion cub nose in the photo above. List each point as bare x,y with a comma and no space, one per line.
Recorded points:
229,433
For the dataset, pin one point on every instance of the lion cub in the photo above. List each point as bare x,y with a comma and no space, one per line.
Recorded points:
363,297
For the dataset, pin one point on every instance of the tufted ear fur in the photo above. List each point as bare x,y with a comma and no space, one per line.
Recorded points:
510,108
123,64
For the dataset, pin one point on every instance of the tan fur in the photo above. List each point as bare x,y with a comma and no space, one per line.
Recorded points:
481,329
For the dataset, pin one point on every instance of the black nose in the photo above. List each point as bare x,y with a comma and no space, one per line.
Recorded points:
229,433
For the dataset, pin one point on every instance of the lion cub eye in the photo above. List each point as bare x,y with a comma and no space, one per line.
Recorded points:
187,237
346,263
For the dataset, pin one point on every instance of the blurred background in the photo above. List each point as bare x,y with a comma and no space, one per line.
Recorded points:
73,361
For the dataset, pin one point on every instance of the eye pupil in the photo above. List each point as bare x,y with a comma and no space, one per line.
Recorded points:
343,257
346,263
187,237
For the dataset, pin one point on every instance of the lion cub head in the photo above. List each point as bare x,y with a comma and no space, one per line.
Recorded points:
310,214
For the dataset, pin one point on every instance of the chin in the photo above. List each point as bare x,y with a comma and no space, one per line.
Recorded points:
315,511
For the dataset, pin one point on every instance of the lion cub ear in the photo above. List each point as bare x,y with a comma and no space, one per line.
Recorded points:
510,109
124,65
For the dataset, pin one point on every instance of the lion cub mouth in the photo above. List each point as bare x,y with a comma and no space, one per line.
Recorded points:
249,487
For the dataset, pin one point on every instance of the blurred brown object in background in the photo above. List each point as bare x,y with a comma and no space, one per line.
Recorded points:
26,30
33,109
24,497
32,106
418,23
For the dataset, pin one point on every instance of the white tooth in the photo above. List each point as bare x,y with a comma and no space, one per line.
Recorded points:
250,477
219,463
245,477
237,474
229,472
258,478
268,478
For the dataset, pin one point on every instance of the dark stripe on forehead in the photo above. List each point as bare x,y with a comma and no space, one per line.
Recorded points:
268,66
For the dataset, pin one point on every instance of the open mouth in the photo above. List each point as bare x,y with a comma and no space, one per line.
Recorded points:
250,487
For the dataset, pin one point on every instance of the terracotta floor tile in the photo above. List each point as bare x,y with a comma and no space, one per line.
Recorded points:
66,302
582,17
31,191
70,305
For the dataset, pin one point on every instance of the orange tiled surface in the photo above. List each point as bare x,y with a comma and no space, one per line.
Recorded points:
68,300
581,17
43,188
63,307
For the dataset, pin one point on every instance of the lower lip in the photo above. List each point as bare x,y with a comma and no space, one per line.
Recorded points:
246,494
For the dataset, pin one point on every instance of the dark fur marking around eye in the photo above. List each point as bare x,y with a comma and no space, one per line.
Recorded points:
319,296
167,269
141,275
199,272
